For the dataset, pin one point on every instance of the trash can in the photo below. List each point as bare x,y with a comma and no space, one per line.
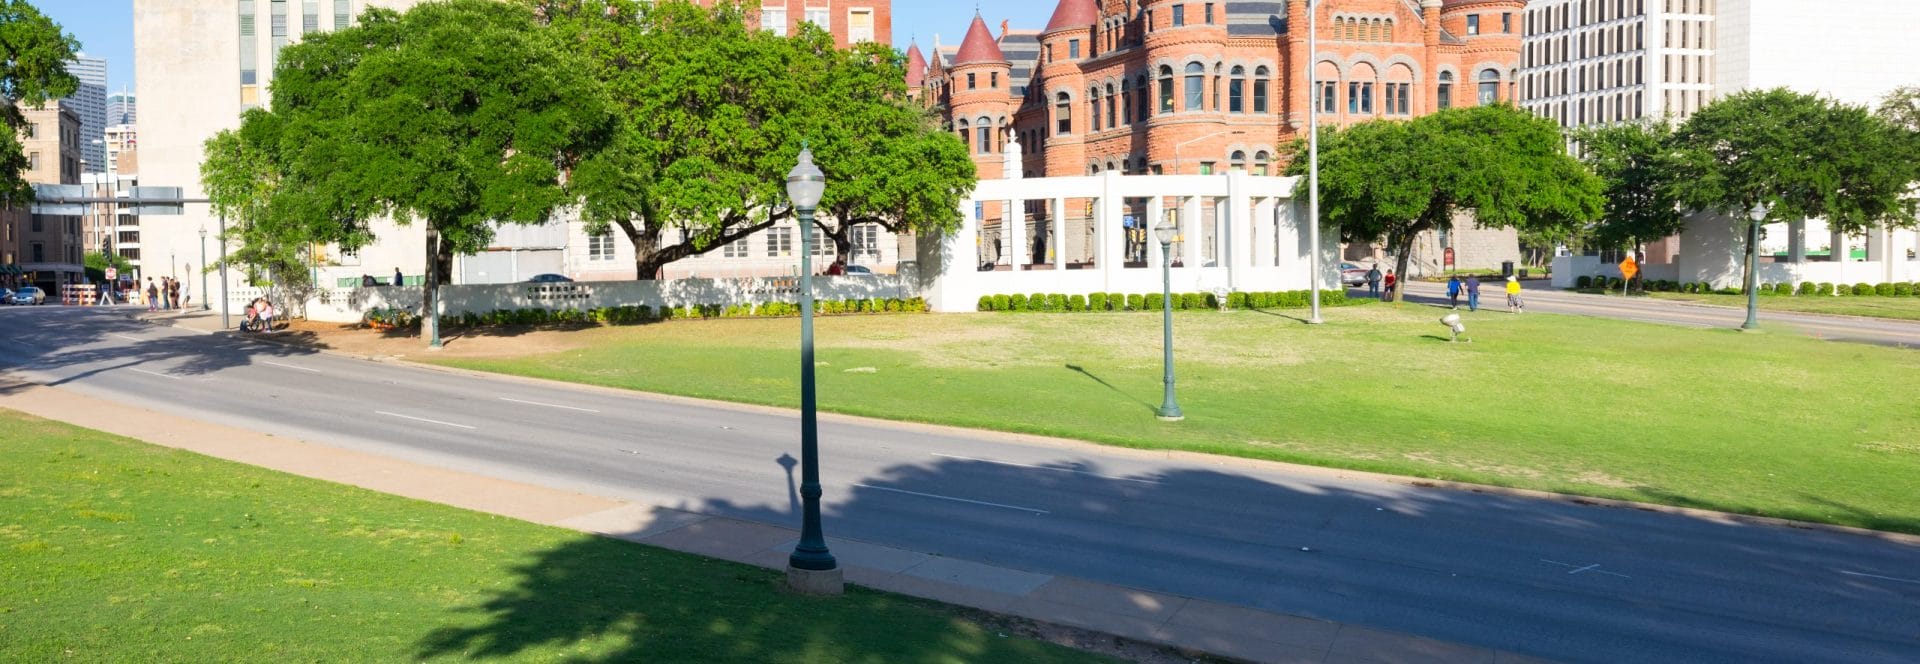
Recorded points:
1506,268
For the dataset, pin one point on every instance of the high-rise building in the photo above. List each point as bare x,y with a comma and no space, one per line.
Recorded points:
89,102
120,108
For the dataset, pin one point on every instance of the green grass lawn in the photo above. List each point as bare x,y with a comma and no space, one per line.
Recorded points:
1763,424
1903,308
113,550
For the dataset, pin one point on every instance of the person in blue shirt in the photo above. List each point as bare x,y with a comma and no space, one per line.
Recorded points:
1453,291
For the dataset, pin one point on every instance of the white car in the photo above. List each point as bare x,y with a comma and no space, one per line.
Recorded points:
28,295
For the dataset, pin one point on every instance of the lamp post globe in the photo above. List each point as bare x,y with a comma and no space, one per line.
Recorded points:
1165,232
811,567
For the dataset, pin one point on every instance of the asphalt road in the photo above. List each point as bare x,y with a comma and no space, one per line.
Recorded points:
1547,578
1542,299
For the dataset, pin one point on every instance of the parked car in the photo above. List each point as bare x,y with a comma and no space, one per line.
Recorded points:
6,295
859,271
549,278
1353,275
28,295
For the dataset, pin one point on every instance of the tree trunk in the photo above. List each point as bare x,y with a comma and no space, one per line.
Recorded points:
1403,258
646,250
430,292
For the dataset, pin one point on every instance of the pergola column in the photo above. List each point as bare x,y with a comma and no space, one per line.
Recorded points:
1059,225
1014,219
1797,242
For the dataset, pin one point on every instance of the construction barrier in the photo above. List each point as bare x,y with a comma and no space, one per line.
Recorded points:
79,295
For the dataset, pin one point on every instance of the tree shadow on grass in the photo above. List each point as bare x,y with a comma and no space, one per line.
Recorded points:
1394,557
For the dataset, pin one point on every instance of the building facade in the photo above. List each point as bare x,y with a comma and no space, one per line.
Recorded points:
121,109
89,102
1189,87
1589,62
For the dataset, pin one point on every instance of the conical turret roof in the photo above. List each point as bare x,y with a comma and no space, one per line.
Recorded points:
1074,14
979,45
916,66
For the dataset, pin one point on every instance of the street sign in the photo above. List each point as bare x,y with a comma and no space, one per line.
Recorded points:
1449,257
112,274
1628,268
160,193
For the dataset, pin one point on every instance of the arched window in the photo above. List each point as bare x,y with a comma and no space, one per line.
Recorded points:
984,129
1260,82
1445,90
1389,35
1126,103
1219,83
1237,160
1111,102
1063,113
1196,86
1237,90
1142,100
1166,89
1093,102
1111,166
1489,87
966,136
1261,162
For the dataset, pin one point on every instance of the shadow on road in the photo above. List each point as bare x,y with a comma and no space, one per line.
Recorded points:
67,342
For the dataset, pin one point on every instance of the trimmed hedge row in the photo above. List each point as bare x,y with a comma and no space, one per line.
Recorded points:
1897,289
1055,302
634,314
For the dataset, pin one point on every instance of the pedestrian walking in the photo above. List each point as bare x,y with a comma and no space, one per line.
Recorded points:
1473,293
186,294
153,295
1391,282
1514,304
173,293
1373,281
1453,291
397,279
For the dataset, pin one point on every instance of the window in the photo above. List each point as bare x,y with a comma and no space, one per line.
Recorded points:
1237,91
774,21
1473,24
1073,49
993,79
1237,160
984,129
342,16
600,246
866,240
820,247
1063,114
1489,87
1506,22
966,136
33,130
972,81
33,161
1166,89
1196,86
1445,97
1206,168
1327,91
309,16
1260,89
819,16
860,26
1261,162
1111,102
1093,100
1209,13
1143,101
779,242
1179,15
736,248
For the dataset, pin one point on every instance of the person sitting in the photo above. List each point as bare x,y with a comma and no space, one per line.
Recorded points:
248,318
266,313
836,269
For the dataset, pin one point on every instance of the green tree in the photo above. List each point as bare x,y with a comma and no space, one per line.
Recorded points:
241,179
715,115
1632,159
1902,107
460,114
33,72
1394,180
1795,156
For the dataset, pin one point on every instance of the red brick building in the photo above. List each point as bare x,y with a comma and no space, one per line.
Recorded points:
850,21
1188,86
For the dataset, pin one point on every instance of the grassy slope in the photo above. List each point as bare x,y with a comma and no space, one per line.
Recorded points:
119,551
1903,308
1707,418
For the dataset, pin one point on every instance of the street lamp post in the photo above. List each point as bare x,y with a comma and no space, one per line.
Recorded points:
1757,215
226,322
1169,411
1313,162
811,568
204,305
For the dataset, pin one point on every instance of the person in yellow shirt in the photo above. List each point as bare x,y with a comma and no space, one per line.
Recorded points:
1514,305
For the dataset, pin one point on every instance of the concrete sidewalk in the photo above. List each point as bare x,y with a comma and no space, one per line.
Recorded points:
1218,629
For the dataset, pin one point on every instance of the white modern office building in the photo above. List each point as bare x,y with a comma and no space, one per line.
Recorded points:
1592,62
89,101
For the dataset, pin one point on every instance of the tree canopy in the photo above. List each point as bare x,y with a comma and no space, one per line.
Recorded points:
33,72
1632,159
462,114
715,115
1392,180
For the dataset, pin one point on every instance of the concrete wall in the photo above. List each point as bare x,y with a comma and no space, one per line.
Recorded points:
1855,51
349,305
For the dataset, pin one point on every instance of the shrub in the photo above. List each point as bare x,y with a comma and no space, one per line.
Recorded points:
1036,302
1807,288
1016,302
1884,290
1076,302
1236,300
1152,302
1903,290
1783,288
1003,303
1136,302
1195,300
1116,302
1824,289
1583,282
1097,302
1863,288
1333,298
986,303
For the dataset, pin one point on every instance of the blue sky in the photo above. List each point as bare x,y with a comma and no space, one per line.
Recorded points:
105,27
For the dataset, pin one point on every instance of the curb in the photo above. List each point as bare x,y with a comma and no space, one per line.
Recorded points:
1083,445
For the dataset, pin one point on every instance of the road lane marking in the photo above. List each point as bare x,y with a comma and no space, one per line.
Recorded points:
549,405
126,337
289,366
422,419
152,373
1876,576
1064,470
957,500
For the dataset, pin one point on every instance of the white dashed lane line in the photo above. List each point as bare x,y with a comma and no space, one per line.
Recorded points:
422,419
549,405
